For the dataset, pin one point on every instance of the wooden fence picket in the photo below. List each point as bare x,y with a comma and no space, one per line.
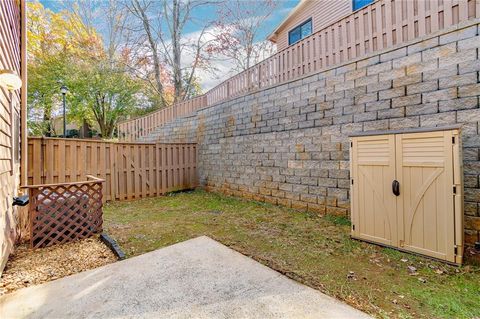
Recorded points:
130,170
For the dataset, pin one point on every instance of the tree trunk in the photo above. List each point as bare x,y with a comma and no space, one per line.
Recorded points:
84,130
48,128
177,67
154,47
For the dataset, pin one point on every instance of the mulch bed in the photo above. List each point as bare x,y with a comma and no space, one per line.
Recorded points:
27,267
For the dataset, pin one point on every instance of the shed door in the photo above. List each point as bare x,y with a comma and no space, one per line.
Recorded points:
425,206
374,205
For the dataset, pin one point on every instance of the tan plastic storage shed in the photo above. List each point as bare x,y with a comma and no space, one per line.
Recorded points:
407,191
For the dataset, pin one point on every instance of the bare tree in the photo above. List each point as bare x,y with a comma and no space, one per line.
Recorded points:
177,14
116,19
148,40
107,17
238,30
170,49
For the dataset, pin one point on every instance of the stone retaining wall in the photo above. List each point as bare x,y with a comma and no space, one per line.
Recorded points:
288,144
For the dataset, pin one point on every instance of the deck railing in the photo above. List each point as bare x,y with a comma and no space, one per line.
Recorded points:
378,26
131,130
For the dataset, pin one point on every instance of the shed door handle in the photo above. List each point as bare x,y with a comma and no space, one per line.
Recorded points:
396,187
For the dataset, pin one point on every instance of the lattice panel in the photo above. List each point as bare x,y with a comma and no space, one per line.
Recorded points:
65,212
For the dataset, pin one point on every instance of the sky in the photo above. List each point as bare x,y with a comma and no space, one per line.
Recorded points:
208,13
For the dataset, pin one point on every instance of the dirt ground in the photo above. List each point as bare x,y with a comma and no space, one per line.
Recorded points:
27,267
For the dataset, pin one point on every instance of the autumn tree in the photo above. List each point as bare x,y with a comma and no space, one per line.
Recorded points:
65,48
55,42
238,30
43,87
64,33
109,94
108,17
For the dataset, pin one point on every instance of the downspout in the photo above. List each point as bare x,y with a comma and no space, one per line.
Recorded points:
23,97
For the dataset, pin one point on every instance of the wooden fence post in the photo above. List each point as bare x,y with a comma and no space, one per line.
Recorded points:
130,170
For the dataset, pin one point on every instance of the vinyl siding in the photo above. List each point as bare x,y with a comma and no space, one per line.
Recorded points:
10,58
322,12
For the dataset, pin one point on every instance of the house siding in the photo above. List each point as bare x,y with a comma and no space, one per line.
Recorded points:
10,58
322,12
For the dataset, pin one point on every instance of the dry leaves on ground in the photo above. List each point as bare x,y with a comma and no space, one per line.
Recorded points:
27,267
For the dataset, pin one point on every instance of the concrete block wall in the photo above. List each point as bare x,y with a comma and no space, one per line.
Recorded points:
288,144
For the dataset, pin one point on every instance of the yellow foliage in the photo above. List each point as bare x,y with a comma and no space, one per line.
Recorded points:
53,33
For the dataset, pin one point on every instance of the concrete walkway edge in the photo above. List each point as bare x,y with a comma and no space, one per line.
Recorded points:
198,278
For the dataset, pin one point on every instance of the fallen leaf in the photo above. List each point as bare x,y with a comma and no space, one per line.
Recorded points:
27,267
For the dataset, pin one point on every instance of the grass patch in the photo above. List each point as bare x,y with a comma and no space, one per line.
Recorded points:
338,220
316,251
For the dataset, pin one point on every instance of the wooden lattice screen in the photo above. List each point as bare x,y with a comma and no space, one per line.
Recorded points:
64,212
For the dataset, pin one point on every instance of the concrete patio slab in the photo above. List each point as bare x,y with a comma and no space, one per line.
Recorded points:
198,278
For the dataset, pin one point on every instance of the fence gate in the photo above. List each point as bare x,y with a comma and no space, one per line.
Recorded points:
407,191
130,170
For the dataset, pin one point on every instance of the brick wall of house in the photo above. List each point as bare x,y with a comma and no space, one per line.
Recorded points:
288,144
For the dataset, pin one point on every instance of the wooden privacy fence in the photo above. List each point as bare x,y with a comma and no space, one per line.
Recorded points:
64,212
130,170
378,26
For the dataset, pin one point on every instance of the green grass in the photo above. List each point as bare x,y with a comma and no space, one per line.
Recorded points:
316,251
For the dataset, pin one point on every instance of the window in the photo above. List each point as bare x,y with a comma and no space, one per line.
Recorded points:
358,4
300,32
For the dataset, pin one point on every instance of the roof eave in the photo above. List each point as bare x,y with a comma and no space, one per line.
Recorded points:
273,36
